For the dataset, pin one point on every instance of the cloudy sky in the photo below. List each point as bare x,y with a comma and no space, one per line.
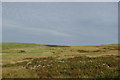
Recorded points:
0,13
61,23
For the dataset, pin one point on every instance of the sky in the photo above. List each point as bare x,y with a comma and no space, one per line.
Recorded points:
0,22
60,23
60,0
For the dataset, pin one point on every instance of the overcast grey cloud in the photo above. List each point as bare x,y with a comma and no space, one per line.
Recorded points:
62,23
60,0
0,22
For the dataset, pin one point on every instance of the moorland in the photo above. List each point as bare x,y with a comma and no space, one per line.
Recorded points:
27,60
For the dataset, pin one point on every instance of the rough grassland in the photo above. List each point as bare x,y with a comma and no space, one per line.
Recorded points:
24,60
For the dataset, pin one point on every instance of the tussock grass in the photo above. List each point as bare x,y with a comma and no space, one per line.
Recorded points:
57,61
77,67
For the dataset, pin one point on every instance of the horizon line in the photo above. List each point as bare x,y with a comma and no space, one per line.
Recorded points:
62,44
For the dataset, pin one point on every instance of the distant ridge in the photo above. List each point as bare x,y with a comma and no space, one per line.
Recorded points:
57,46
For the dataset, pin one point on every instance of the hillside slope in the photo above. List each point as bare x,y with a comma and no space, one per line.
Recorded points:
70,61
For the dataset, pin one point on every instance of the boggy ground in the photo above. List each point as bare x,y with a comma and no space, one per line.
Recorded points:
23,60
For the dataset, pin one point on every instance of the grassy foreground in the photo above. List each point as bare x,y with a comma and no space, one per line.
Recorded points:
25,60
